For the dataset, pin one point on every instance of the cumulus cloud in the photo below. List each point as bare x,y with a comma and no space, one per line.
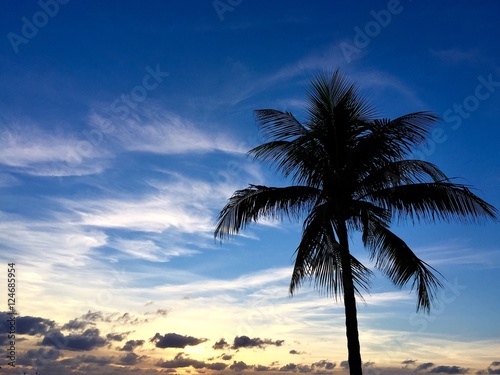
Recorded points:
75,325
448,370
130,345
261,368
181,361
26,325
101,361
94,316
115,318
30,325
159,312
93,360
128,319
408,362
131,359
324,364
368,364
116,336
239,366
424,366
37,357
494,368
289,367
173,340
221,344
247,342
88,340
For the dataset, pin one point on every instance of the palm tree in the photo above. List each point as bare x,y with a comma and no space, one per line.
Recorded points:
350,172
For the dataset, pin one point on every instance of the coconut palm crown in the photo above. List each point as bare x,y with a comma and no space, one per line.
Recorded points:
351,172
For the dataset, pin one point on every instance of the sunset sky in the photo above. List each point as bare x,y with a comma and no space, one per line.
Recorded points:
124,127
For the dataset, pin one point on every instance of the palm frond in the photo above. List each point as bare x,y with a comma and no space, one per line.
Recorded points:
330,95
401,172
255,202
411,129
398,262
290,148
405,132
318,257
296,159
317,238
361,276
278,125
433,201
385,140
361,211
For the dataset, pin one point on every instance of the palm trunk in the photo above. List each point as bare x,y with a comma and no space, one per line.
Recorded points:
351,319
351,323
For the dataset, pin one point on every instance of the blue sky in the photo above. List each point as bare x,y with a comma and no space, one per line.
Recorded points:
124,128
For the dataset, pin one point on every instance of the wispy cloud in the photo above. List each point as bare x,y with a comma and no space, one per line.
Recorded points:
34,151
184,205
7,180
245,282
328,59
154,130
399,345
453,254
149,250
456,55
27,238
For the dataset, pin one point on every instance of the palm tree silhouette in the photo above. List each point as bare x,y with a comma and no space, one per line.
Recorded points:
350,172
